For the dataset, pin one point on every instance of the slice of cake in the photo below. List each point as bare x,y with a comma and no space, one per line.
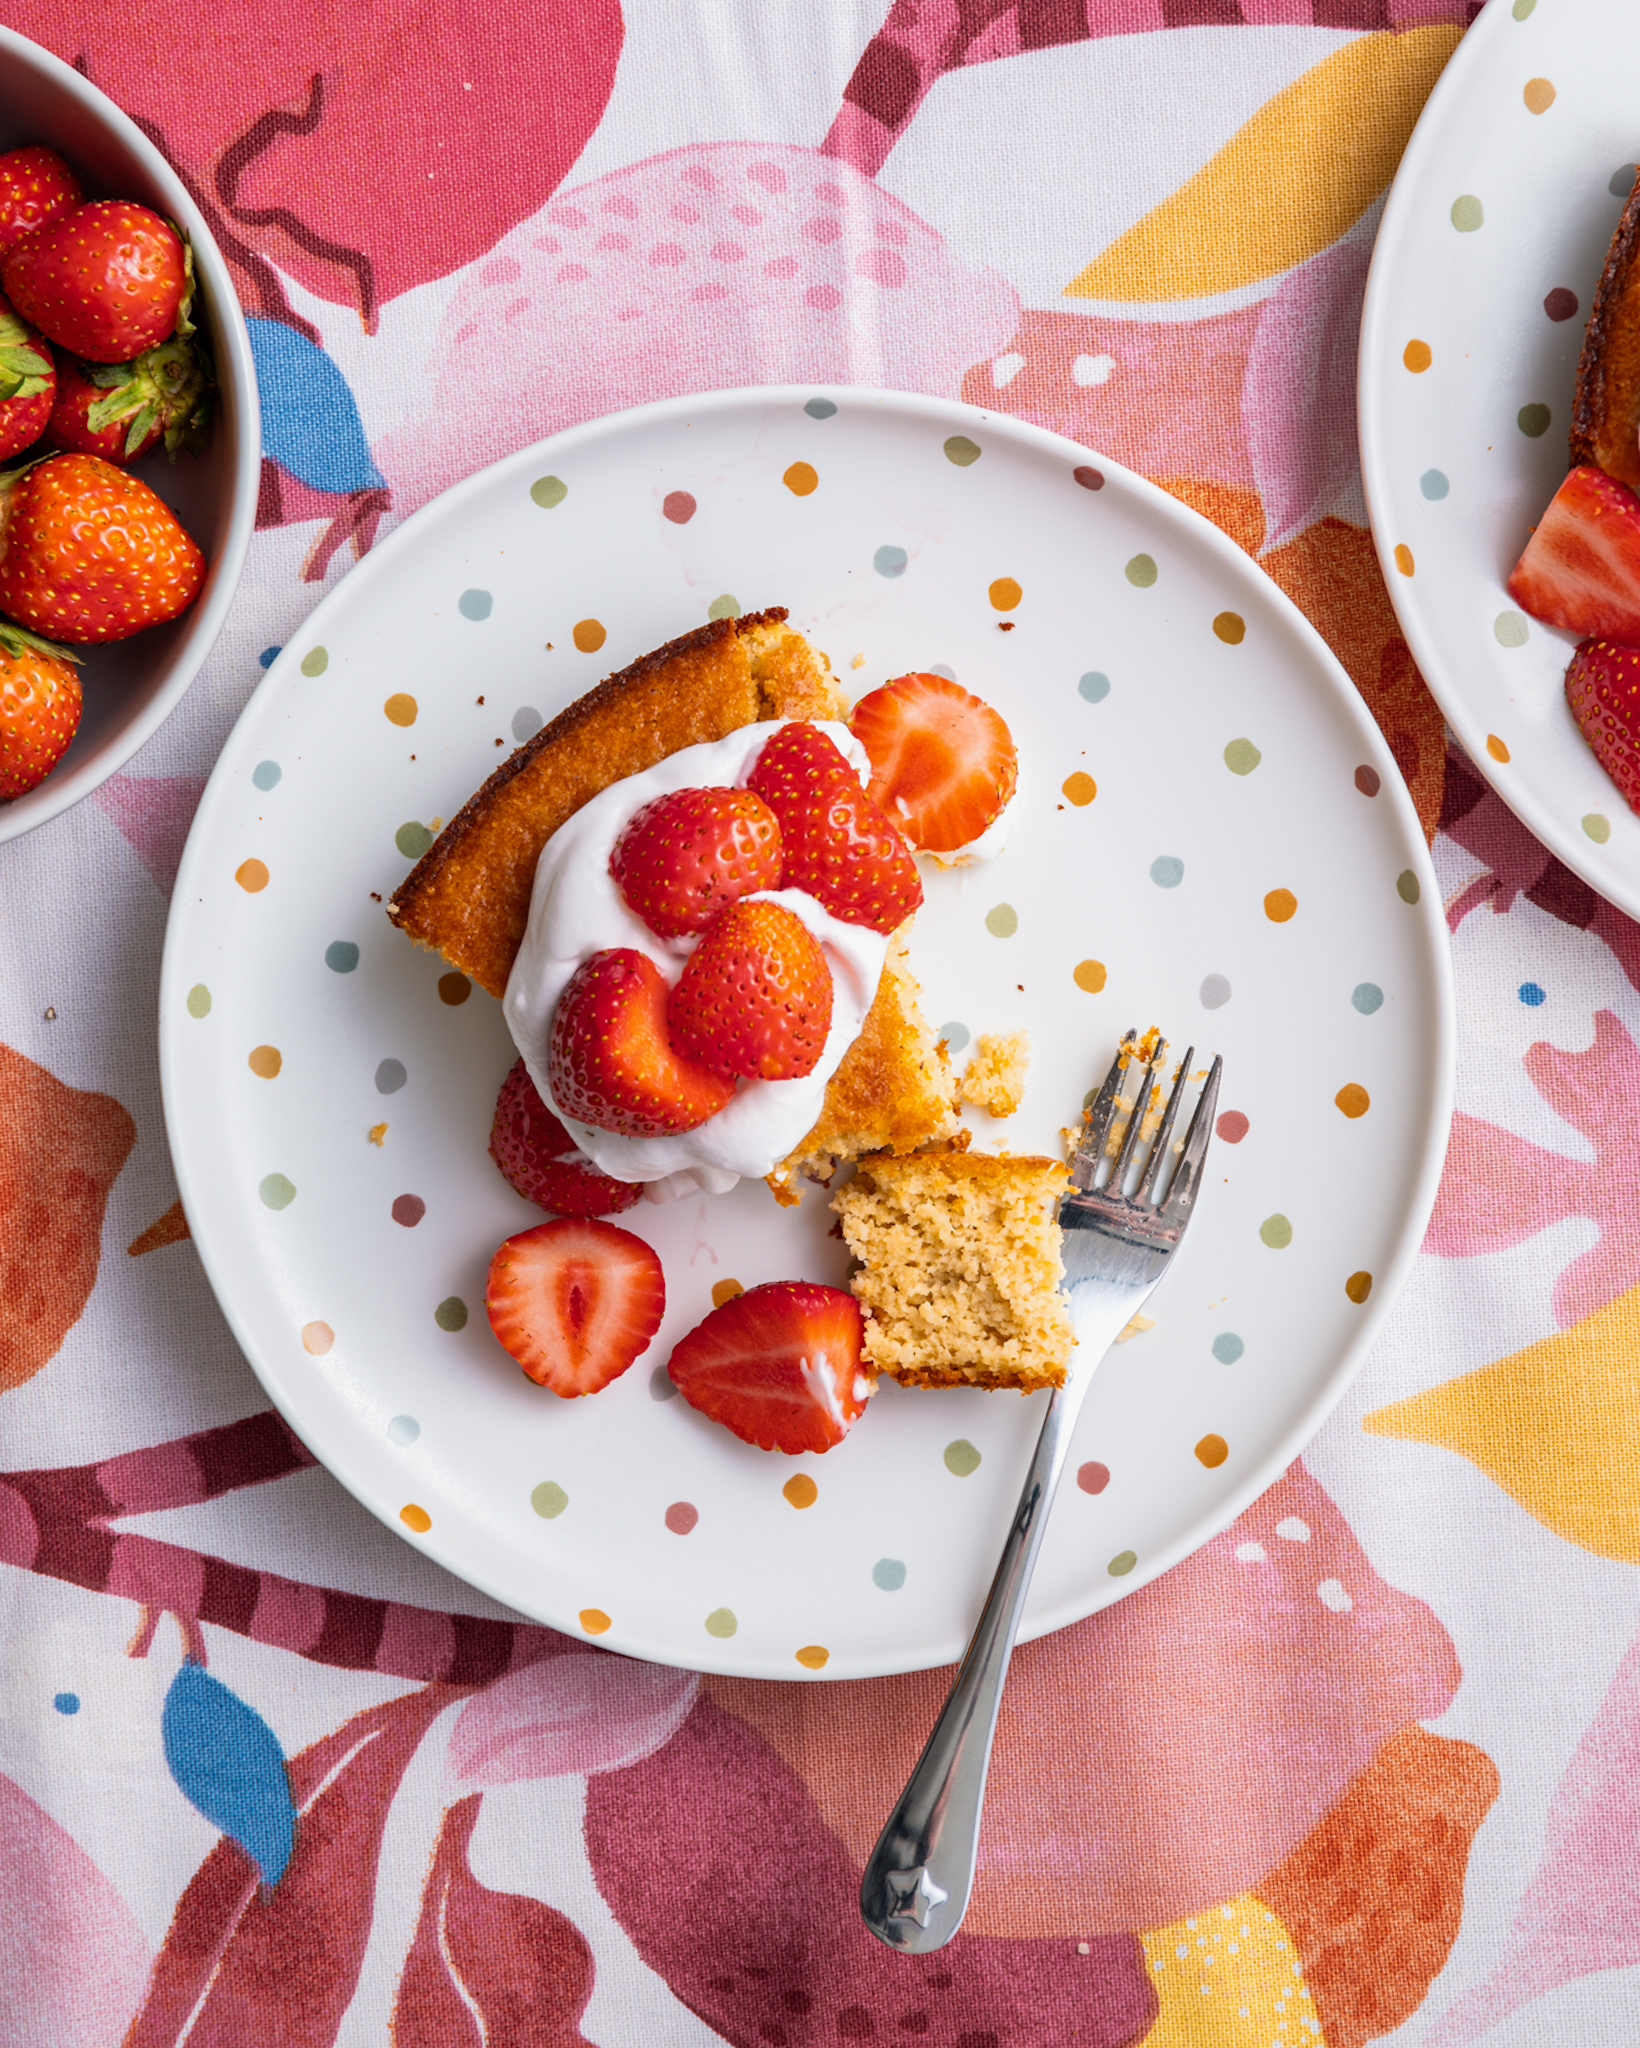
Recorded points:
469,895
959,1269
1606,404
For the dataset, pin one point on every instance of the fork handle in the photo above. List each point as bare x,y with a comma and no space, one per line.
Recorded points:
916,1884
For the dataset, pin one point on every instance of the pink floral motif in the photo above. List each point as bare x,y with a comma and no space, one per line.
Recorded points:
154,812
1581,1912
567,1715
72,1961
1498,1190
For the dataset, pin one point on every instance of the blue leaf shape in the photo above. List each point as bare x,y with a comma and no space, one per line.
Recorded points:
227,1762
310,419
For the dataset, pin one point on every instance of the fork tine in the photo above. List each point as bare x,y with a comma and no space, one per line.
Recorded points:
1158,1150
1097,1118
1182,1193
1141,1109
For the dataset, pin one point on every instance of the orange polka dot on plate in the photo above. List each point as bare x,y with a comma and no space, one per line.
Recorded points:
415,1518
725,1290
317,1338
1279,905
400,708
1005,593
1496,748
588,635
1089,975
1358,1286
801,478
265,1061
1079,788
1212,1451
801,1490
1231,628
593,1620
251,875
1403,558
1539,95
813,1656
1417,355
1353,1099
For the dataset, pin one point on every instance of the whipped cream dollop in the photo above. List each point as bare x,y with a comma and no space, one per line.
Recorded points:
577,909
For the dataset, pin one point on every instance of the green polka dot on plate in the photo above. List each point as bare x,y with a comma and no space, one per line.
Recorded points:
412,839
549,1500
721,1622
1122,1563
276,1191
1141,571
451,1313
1241,757
1407,887
960,450
820,408
961,1457
199,1000
1510,629
315,661
1533,420
725,607
1522,8
1276,1232
1598,828
1467,213
475,604
548,491
1002,920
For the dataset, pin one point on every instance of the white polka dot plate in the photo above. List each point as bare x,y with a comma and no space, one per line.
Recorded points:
1485,266
1210,835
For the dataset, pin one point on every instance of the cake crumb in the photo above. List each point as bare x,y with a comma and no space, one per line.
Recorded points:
1135,1326
51,1014
378,1134
994,1078
859,661
375,895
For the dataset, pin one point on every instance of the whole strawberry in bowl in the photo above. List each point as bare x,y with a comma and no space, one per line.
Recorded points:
74,154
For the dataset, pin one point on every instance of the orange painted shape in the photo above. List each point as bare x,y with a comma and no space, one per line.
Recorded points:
813,1656
1231,628
1539,95
1496,748
588,635
1079,788
265,1061
400,708
1403,558
1417,355
801,479
1089,975
801,1490
594,1620
251,875
1279,905
1005,593
1212,1451
725,1290
1353,1099
415,1518
317,1338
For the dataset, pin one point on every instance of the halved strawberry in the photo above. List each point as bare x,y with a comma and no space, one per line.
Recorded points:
1581,568
1603,690
943,763
533,1151
838,845
755,996
779,1365
609,1060
575,1301
688,855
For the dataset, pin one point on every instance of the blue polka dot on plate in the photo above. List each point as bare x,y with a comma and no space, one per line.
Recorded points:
1227,1347
889,561
1094,686
955,1036
1433,484
403,1429
475,604
391,1076
820,408
1367,996
341,956
1532,995
1167,871
888,1573
526,723
266,773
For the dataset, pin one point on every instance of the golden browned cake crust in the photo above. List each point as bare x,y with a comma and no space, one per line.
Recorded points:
1606,404
469,895
892,1093
959,1268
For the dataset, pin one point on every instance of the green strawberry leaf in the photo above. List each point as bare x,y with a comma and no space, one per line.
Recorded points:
15,639
140,424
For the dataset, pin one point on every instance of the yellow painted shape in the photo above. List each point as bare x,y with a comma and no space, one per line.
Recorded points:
1287,184
1229,1977
1557,1426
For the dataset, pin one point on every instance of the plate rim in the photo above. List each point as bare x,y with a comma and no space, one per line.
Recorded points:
1373,409
1439,1071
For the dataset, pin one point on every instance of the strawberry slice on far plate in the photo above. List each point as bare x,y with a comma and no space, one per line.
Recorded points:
779,1365
1603,691
837,843
1581,568
575,1301
943,762
540,1159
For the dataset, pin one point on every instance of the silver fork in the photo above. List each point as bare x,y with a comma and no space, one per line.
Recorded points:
1116,1247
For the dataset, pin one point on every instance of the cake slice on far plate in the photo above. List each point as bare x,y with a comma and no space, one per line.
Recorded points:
959,1268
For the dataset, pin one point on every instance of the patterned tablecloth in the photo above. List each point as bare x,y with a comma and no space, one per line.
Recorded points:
1365,1767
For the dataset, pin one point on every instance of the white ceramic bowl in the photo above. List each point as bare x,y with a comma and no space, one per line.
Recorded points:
132,685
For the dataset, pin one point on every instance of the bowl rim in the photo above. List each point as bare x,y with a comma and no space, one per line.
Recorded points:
236,371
